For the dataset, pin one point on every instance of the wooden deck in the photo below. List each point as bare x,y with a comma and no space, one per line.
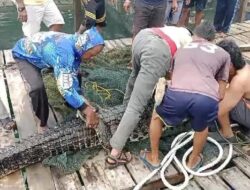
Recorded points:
93,175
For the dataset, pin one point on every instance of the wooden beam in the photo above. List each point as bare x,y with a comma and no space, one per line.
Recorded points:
7,138
96,176
242,11
211,182
78,15
38,177
236,178
66,182
245,47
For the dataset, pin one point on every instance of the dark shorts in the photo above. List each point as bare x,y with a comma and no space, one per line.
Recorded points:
241,114
148,16
176,106
200,5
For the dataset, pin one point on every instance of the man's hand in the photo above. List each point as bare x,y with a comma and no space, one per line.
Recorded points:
92,118
126,5
174,6
22,16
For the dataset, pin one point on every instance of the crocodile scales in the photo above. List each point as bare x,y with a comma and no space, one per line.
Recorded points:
70,136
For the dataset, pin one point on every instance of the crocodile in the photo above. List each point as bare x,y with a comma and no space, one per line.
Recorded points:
72,135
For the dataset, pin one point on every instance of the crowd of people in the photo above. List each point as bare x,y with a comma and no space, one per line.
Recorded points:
208,82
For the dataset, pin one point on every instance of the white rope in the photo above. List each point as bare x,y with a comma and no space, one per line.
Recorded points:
180,141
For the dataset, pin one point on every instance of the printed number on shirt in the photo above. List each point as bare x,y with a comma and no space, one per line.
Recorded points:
209,48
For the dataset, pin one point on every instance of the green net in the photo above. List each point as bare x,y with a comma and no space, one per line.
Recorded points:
104,82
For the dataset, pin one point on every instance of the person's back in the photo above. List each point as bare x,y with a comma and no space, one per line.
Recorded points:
44,48
198,67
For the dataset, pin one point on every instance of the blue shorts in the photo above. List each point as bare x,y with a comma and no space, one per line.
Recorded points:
200,5
177,105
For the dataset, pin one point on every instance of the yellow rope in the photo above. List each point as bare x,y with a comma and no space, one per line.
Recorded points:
101,91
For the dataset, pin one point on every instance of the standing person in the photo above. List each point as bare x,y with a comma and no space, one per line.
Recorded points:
200,5
199,79
236,104
64,53
94,15
152,52
32,12
224,15
148,14
173,12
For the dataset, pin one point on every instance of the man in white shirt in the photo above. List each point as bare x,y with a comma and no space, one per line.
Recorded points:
32,12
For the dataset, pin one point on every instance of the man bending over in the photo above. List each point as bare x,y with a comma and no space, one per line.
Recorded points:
236,103
199,78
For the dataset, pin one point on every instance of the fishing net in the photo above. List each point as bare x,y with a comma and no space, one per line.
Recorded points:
103,83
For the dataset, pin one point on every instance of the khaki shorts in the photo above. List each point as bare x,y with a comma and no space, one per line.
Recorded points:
48,13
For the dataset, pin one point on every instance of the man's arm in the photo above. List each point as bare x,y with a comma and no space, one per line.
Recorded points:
232,96
22,13
222,89
68,85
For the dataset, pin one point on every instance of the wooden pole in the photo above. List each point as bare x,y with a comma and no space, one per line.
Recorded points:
78,16
242,11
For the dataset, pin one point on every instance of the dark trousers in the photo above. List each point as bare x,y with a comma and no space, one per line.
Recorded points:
224,14
32,75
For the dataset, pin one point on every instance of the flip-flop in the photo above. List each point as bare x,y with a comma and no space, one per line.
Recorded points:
197,166
117,161
150,166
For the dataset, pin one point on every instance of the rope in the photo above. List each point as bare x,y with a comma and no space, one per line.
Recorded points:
104,93
180,141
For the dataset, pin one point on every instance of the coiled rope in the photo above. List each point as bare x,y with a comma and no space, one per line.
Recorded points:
180,141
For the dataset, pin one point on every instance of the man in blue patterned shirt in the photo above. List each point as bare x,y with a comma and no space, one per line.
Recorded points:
64,53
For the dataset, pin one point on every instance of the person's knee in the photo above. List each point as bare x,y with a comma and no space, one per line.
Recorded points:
56,27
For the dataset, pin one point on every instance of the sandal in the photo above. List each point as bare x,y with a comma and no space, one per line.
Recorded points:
150,166
197,166
115,161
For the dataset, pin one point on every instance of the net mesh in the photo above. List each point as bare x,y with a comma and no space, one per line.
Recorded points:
104,82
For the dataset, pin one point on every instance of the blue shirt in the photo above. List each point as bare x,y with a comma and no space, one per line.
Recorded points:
58,51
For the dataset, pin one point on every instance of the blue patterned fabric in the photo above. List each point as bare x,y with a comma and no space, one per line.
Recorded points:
62,52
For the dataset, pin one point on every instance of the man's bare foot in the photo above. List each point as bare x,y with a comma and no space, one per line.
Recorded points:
194,162
42,129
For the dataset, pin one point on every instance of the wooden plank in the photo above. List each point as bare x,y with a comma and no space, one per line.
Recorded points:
242,26
15,180
39,177
119,43
127,41
4,105
237,41
7,138
234,30
245,25
246,55
66,182
108,45
235,178
211,182
192,186
243,165
245,47
242,38
96,176
139,171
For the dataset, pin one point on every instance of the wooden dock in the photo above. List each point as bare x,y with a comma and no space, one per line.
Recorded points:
93,175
